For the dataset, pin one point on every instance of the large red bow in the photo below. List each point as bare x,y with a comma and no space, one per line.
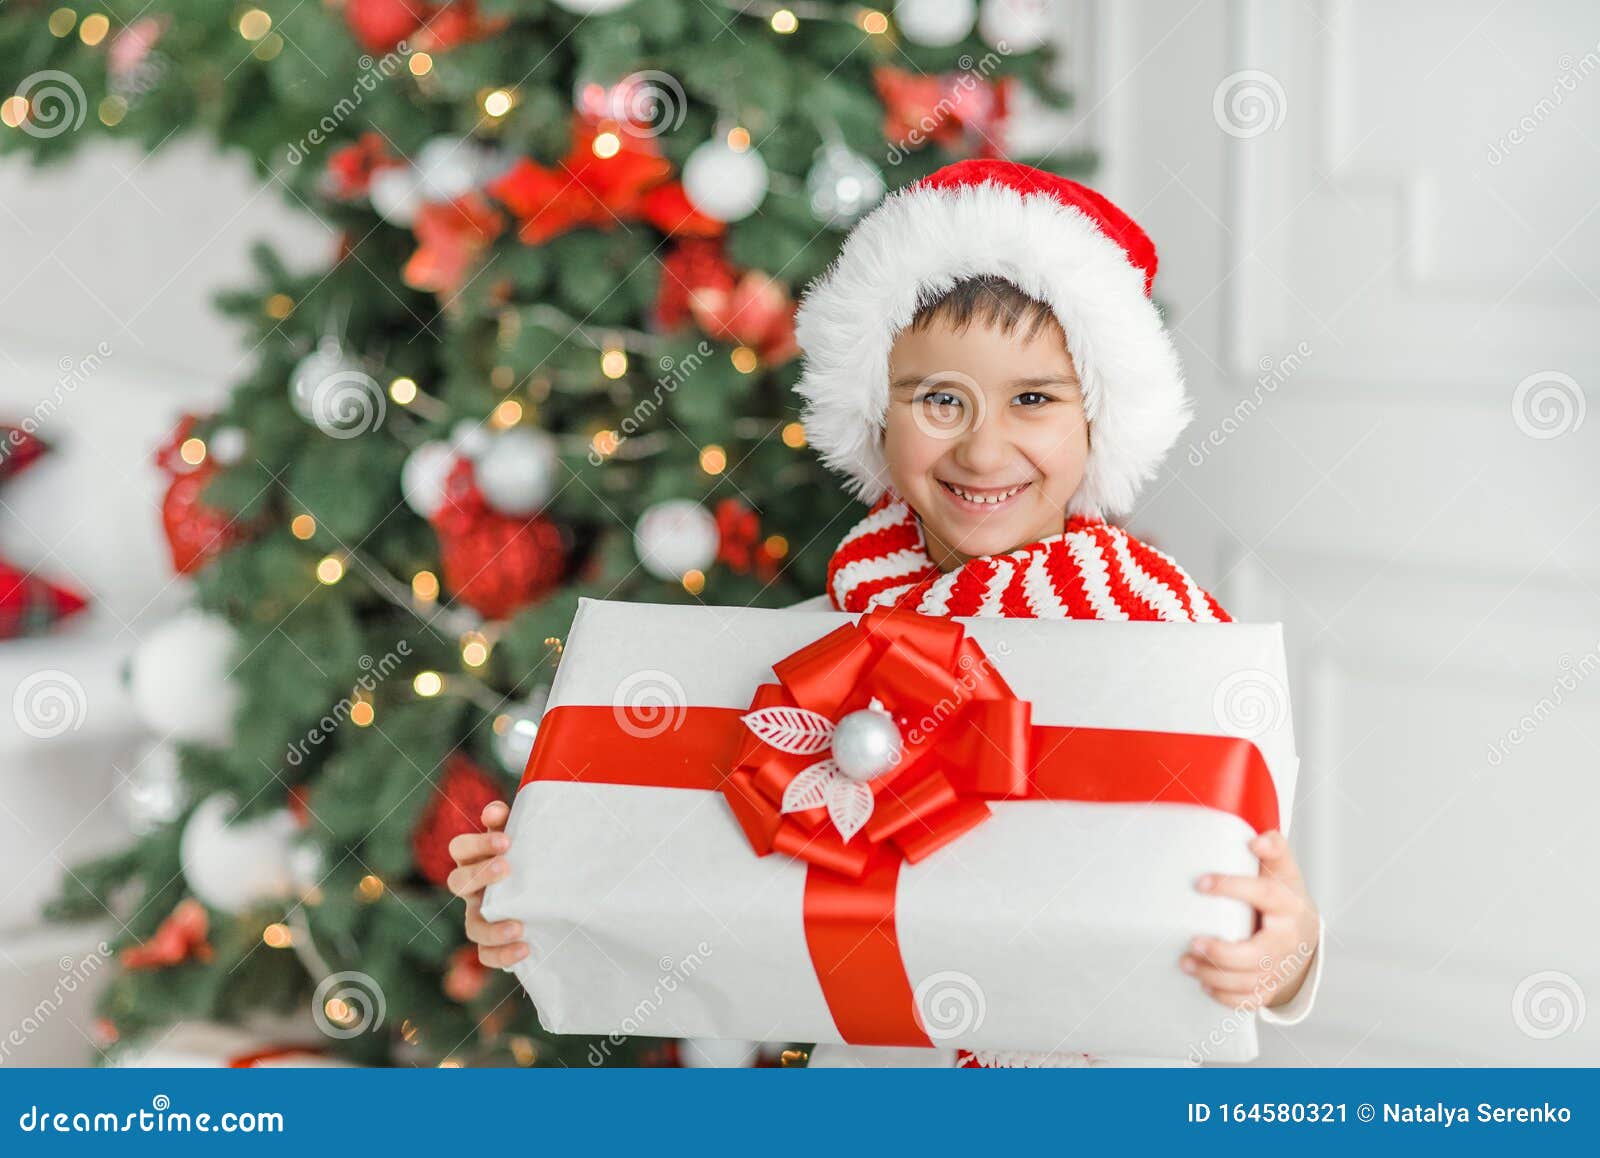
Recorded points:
964,737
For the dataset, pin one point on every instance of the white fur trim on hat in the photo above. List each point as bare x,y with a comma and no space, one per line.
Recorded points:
914,248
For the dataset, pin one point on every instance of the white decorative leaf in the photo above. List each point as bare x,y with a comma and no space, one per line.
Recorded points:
809,789
798,731
849,805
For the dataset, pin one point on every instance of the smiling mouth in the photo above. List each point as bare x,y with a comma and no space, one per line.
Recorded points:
983,498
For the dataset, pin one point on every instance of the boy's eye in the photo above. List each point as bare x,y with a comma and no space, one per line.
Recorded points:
1033,398
940,399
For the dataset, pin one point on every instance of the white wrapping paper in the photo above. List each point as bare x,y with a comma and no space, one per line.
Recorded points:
1053,925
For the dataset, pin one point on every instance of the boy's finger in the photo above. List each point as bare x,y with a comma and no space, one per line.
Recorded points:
1214,977
1245,955
475,846
1233,998
474,878
494,933
495,814
1272,849
1263,893
498,957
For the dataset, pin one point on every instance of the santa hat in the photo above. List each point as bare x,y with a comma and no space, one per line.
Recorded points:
1062,244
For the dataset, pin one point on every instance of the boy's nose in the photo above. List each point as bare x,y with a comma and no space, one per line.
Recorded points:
983,448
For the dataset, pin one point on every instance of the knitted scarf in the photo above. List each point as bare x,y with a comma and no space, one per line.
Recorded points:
1092,570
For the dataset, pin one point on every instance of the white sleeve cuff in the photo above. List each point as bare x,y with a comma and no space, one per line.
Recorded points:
1294,1010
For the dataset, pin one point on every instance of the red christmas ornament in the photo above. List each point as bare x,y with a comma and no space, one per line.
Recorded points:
694,263
466,975
967,112
456,807
455,24
450,237
379,25
741,546
180,937
584,189
29,605
350,168
299,804
757,312
196,533
494,563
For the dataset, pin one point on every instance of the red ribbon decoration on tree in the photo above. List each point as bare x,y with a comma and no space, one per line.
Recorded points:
966,739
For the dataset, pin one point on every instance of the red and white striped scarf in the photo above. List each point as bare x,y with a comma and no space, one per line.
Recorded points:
1092,570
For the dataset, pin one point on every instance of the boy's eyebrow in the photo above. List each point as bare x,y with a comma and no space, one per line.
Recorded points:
905,380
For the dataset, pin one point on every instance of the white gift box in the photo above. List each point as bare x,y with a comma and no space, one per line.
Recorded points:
1053,925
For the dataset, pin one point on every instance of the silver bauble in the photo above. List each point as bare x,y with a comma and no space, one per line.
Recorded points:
935,23
866,744
724,183
423,475
517,473
470,438
513,743
842,185
153,794
332,391
675,537
227,444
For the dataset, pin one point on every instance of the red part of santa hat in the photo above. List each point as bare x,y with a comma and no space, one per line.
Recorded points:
1058,241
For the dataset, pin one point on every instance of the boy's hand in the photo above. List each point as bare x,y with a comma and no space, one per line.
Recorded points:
1268,967
478,862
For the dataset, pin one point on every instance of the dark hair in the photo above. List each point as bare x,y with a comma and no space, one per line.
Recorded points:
991,299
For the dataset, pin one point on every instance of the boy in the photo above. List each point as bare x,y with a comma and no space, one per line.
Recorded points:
986,368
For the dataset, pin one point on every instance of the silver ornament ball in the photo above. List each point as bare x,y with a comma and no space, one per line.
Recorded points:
153,794
866,744
842,185
513,743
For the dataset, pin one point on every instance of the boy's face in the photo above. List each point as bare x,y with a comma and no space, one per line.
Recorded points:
986,437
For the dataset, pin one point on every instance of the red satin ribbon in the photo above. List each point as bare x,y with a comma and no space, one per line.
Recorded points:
933,796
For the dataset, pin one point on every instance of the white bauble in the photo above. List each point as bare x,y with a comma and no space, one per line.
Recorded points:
332,391
935,23
517,473
153,793
180,680
470,439
866,744
674,537
423,476
724,183
227,444
591,7
722,1053
513,743
842,185
448,167
1019,25
305,865
396,194
231,867
325,361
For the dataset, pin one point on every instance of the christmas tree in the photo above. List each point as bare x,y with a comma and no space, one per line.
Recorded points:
551,358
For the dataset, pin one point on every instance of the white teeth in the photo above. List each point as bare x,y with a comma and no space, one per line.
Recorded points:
997,498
